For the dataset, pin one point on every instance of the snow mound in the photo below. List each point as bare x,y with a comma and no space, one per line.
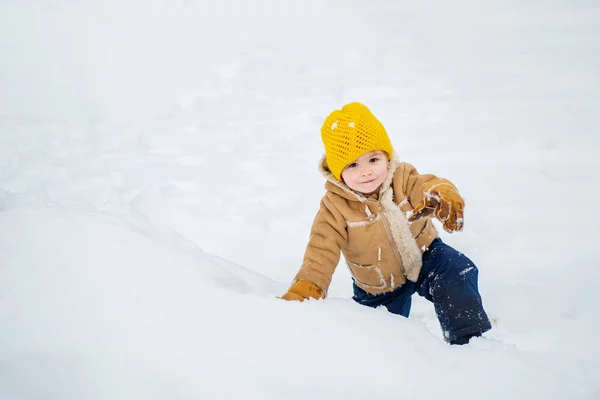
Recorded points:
99,308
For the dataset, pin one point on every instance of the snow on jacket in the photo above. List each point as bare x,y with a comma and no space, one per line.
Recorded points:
380,247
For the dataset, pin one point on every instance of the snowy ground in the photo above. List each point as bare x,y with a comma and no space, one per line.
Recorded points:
158,181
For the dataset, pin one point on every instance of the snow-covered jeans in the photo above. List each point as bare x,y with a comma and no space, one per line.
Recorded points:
449,280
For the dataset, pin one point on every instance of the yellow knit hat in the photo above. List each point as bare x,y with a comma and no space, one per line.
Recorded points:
350,133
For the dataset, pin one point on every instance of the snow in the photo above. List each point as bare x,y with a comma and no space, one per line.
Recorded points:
158,181
464,271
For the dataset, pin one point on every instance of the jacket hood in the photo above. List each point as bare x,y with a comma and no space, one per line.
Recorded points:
340,188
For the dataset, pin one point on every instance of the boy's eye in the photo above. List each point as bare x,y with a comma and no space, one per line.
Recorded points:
352,165
374,159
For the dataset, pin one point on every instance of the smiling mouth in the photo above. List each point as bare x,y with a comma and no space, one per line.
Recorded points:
372,180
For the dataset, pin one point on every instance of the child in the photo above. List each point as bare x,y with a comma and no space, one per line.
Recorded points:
364,215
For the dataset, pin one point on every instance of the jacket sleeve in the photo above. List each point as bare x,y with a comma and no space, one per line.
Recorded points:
327,236
411,182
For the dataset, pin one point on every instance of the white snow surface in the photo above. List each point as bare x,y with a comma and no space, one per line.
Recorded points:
158,182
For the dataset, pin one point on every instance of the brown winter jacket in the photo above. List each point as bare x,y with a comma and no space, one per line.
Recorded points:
380,247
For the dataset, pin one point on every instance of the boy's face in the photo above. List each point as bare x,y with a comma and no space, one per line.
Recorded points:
366,173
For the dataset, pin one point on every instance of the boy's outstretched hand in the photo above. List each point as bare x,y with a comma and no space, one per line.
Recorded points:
302,290
441,198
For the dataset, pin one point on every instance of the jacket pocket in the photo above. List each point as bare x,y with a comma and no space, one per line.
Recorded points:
367,276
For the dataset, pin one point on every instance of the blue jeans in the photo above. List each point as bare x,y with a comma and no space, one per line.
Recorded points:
449,280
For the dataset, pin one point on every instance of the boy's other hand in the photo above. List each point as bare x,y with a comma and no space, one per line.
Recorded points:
441,198
302,290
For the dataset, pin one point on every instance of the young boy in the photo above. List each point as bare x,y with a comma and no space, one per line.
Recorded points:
364,215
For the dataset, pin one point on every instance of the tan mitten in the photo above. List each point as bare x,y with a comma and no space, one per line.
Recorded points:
302,290
441,198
